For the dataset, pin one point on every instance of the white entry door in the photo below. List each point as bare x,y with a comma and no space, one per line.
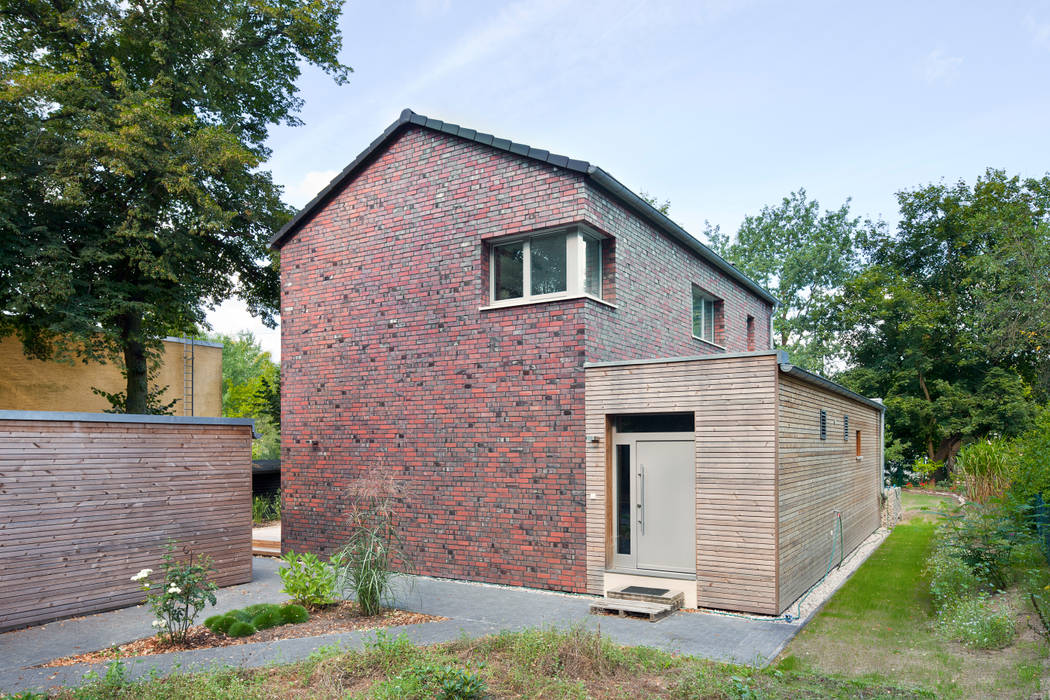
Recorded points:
654,503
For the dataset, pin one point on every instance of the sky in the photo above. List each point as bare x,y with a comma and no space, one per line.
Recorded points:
720,107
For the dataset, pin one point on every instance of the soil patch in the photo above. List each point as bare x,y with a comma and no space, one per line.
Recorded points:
341,617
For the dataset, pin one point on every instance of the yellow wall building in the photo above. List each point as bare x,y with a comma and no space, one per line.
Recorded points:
192,371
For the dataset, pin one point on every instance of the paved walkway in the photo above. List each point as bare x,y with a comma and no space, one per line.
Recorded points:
474,610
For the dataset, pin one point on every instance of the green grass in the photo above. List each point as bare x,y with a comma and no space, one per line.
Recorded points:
927,502
880,626
531,664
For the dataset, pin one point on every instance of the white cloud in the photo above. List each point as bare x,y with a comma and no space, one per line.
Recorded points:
308,187
939,66
1040,31
231,316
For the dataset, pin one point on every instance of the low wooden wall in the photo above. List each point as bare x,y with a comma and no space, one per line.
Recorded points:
87,500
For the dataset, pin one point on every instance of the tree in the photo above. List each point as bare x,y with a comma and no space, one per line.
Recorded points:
805,258
664,208
132,137
248,378
950,322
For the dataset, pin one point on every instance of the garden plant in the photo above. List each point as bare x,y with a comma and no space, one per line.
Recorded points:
185,592
308,581
246,622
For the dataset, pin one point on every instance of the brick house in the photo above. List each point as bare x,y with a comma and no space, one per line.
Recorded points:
574,392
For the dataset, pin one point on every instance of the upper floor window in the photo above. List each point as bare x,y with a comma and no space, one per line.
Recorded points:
547,266
704,308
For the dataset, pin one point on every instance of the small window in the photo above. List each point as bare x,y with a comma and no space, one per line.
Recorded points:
654,423
750,333
823,424
703,315
549,266
845,428
858,444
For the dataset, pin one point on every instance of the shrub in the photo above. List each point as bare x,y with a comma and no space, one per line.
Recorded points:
266,508
983,536
292,614
271,617
185,592
979,624
365,561
429,680
951,579
241,629
259,617
308,581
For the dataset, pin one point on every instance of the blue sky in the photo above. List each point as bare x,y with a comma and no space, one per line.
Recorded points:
720,107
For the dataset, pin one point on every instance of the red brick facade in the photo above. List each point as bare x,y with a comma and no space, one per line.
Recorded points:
389,361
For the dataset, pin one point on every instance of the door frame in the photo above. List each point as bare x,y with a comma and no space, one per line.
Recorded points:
629,562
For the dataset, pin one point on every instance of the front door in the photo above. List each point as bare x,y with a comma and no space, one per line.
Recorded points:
654,502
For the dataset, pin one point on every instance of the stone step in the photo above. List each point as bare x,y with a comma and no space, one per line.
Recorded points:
662,596
639,608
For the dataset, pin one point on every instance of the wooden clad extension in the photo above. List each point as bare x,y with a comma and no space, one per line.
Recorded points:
816,477
734,405
87,501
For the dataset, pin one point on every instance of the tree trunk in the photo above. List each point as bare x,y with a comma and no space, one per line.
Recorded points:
136,363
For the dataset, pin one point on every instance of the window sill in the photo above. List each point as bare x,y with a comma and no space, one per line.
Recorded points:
708,342
544,300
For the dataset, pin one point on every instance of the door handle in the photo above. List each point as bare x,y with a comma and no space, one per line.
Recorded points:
641,498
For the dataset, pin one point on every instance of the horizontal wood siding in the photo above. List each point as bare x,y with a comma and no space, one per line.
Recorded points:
818,476
735,410
85,505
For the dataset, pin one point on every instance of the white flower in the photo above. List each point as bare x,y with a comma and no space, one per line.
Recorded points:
159,623
142,574
174,589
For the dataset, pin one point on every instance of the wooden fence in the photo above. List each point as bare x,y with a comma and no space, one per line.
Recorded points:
87,500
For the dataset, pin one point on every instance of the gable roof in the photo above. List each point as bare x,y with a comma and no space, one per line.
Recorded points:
595,174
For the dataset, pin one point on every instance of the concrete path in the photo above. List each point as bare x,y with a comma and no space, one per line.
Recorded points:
474,610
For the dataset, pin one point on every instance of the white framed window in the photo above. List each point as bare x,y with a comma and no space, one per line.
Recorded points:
703,315
545,267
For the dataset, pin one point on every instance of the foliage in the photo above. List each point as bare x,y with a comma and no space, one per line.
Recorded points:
983,537
184,593
423,681
365,562
266,508
951,579
804,257
664,208
251,389
1030,476
949,321
247,621
978,623
132,140
307,580
985,468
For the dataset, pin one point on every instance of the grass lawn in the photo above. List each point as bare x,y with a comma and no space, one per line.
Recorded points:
880,626
530,664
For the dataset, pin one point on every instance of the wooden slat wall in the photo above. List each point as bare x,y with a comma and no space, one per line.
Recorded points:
817,476
85,505
733,399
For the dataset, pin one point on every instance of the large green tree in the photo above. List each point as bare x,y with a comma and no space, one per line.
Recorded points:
951,321
132,139
249,376
804,256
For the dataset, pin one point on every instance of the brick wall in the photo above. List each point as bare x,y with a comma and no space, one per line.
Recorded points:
389,363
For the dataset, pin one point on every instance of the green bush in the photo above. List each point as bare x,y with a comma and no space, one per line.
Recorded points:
260,616
266,508
983,536
979,624
308,581
985,468
241,629
267,619
292,614
951,579
430,680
